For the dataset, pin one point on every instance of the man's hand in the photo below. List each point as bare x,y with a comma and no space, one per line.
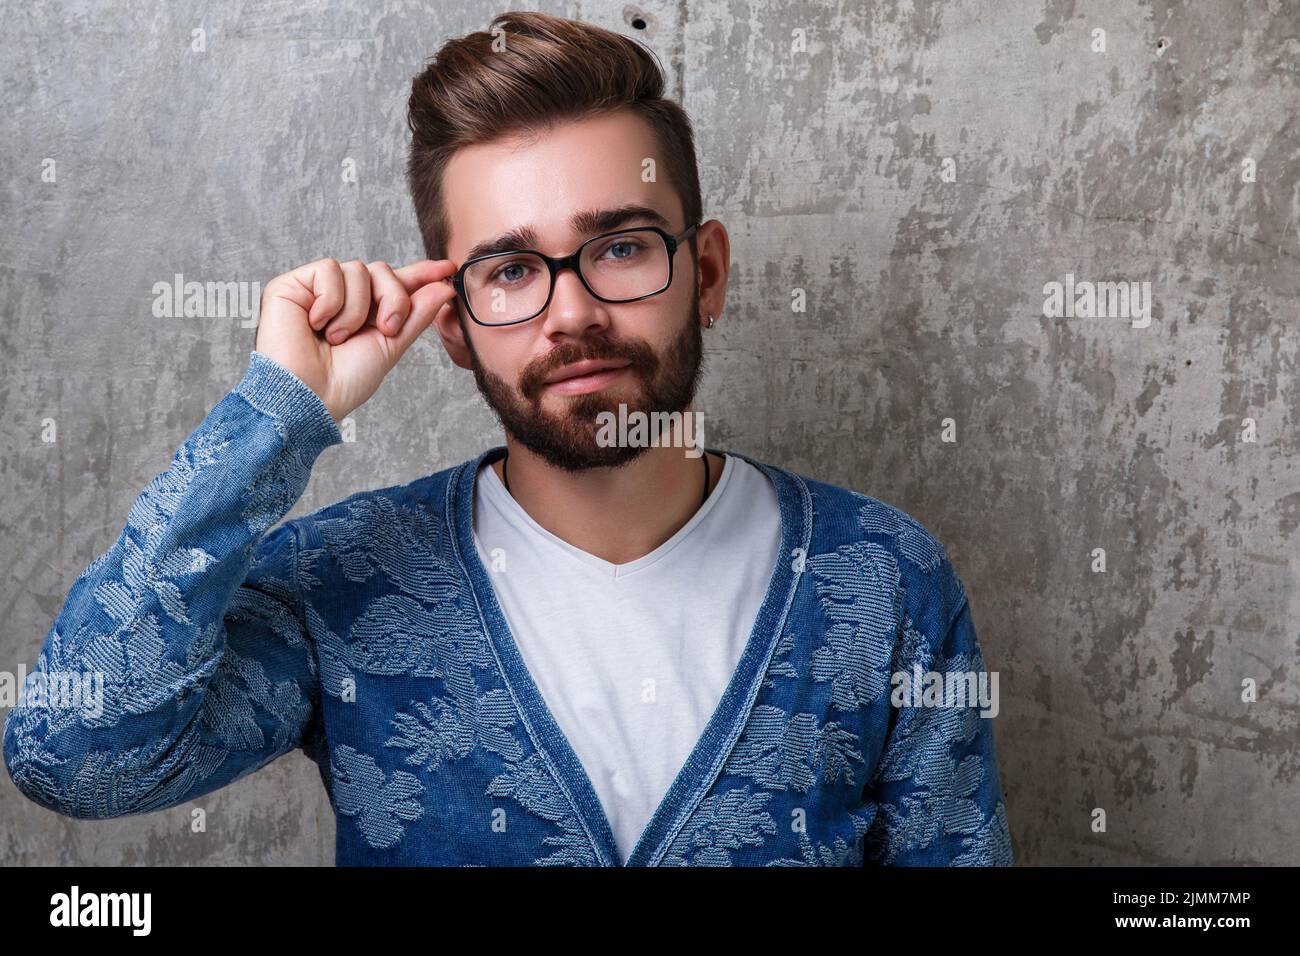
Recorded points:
342,326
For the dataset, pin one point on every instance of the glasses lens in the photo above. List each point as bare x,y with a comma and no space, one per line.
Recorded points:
507,288
627,265
618,267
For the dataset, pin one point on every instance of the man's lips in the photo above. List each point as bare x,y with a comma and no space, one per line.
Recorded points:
585,367
587,376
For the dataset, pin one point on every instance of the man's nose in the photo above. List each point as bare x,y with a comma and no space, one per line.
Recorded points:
573,310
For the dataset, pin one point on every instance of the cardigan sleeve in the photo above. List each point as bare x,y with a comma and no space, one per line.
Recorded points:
180,660
936,787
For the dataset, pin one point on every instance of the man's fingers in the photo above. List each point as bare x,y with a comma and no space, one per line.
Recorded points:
425,304
357,303
324,279
421,273
428,299
392,304
342,297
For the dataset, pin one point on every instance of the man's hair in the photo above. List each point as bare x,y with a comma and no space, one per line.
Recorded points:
551,70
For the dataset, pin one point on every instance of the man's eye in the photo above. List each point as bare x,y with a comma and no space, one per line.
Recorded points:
515,270
629,245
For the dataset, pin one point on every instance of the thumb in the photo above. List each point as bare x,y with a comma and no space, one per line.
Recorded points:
425,304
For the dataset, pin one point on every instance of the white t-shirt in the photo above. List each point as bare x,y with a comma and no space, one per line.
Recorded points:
632,659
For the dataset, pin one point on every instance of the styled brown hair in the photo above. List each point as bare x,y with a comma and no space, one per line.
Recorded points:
550,70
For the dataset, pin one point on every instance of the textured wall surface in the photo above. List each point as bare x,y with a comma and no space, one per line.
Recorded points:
921,171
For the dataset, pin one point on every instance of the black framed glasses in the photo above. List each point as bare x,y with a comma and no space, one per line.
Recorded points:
627,265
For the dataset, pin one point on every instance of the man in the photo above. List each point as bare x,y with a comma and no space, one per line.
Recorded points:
600,644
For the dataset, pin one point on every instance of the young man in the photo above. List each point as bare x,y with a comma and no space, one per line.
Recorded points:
578,648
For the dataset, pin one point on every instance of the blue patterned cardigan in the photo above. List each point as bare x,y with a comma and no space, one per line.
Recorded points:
368,635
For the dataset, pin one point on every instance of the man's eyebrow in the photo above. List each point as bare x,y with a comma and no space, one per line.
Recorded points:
590,222
595,221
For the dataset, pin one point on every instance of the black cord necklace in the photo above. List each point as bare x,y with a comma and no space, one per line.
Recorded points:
505,477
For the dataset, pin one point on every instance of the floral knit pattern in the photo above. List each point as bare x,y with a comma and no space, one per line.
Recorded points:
366,635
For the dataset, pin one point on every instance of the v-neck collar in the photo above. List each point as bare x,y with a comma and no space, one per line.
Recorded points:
568,552
710,751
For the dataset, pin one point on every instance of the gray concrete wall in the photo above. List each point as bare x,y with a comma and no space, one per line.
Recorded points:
925,301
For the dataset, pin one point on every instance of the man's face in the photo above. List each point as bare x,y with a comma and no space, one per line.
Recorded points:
586,166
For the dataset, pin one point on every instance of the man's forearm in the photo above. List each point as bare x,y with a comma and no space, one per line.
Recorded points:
186,626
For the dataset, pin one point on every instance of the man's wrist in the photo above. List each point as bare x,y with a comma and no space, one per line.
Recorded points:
275,391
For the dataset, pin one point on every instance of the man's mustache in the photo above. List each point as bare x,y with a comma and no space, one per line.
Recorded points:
640,360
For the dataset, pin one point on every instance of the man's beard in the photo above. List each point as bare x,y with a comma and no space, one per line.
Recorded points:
568,439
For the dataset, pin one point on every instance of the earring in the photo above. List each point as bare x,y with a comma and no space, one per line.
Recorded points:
710,325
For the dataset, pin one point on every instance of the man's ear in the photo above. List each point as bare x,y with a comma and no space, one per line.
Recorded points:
452,332
712,266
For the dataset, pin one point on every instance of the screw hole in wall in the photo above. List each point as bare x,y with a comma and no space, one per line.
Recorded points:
644,23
